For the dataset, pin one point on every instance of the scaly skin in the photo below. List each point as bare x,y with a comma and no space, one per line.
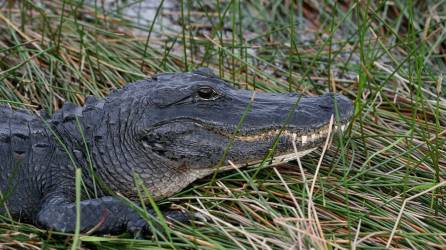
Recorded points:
167,131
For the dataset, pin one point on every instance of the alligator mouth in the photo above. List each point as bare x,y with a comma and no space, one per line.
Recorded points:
303,137
250,145
299,137
305,143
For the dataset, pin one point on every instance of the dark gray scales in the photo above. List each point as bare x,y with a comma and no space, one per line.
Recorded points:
167,131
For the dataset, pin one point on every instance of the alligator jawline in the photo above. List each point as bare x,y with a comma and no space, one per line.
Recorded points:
299,137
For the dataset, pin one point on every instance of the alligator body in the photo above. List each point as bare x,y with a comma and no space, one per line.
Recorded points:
166,131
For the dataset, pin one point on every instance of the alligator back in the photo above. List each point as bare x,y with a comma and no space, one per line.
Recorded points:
25,150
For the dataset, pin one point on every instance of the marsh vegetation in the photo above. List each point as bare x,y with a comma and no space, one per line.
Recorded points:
381,184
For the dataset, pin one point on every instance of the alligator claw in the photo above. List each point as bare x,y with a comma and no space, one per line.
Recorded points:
200,217
179,216
137,226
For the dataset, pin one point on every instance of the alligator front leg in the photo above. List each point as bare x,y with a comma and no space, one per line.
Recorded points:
100,216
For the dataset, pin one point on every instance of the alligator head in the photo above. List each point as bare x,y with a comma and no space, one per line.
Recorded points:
175,128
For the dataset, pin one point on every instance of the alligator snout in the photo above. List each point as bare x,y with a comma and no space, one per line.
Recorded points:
336,104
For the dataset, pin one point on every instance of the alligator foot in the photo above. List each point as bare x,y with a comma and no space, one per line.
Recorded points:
138,226
103,216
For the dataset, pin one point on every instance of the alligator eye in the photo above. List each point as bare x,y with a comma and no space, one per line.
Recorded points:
207,93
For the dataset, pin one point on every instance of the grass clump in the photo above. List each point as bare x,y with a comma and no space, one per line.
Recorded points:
380,185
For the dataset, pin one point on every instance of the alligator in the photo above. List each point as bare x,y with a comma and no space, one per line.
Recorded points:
165,131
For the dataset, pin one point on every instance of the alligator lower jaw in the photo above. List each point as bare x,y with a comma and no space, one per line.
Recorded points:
199,173
292,156
303,139
275,161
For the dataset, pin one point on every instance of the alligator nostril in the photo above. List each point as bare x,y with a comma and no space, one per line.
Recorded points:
325,107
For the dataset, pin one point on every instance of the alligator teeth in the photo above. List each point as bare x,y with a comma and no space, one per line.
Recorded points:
313,137
341,128
303,139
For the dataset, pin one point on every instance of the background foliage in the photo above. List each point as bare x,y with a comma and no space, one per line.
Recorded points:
381,184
